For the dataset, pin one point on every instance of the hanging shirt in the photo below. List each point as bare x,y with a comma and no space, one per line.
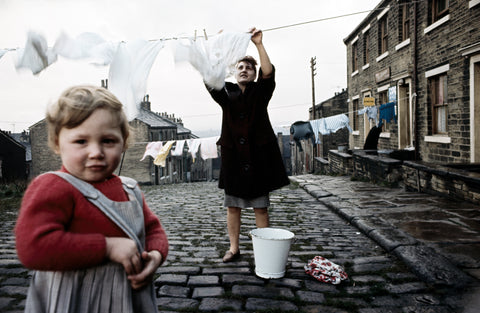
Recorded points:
387,112
334,123
152,149
371,112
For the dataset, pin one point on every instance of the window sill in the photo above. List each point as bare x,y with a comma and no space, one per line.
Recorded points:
402,44
473,3
381,57
438,139
437,24
385,135
355,73
356,133
366,66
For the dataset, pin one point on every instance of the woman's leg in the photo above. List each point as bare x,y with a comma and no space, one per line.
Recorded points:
261,217
233,226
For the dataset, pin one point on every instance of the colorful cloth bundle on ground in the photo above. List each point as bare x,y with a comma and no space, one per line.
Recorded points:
326,271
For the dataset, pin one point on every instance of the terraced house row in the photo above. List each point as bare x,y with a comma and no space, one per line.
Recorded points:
418,64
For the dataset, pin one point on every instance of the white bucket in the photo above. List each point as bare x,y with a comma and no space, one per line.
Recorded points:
270,250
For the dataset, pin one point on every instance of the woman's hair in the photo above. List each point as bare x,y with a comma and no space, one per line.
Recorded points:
76,104
249,59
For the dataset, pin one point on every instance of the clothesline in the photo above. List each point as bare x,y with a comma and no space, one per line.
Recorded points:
159,150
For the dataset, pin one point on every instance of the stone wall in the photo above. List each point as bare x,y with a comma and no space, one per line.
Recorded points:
435,179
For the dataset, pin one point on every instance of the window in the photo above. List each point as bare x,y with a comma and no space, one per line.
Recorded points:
438,101
382,36
355,56
404,25
439,8
366,45
355,115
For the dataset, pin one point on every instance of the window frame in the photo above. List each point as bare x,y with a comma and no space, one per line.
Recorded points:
382,35
366,50
438,102
404,21
435,14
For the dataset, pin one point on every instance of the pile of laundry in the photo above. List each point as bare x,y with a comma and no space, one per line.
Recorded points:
325,271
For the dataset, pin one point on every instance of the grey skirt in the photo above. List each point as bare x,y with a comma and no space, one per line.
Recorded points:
257,203
100,289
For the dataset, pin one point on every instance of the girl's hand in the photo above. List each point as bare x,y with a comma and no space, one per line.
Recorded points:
124,251
151,261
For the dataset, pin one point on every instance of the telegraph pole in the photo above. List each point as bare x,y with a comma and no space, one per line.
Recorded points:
313,62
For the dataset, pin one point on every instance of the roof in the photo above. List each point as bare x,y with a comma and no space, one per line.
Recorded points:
382,5
154,120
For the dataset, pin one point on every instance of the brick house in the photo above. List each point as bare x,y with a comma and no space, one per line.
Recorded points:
146,127
13,166
419,61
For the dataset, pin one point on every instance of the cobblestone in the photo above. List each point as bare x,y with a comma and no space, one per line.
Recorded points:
194,278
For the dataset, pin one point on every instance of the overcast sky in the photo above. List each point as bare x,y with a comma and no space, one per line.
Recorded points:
173,88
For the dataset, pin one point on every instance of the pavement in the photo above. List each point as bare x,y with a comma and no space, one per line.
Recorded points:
403,251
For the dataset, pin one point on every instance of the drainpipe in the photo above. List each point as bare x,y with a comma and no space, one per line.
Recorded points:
414,81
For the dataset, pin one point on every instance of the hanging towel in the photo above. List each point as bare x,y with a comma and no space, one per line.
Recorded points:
208,147
129,72
36,55
152,149
178,148
193,145
334,123
325,271
162,155
214,58
387,112
316,126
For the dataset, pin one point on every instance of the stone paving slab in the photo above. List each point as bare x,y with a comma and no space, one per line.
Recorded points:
194,279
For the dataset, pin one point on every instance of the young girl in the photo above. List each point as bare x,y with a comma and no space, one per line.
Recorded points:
88,234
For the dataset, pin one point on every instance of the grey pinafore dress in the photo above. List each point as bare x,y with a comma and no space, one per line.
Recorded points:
100,289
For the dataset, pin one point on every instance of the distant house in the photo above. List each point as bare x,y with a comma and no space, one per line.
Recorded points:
148,126
13,166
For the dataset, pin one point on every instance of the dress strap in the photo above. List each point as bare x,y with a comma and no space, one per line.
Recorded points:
103,203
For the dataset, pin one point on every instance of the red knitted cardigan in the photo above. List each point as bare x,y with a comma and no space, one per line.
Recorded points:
58,229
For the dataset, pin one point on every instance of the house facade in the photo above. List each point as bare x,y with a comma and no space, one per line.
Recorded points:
418,64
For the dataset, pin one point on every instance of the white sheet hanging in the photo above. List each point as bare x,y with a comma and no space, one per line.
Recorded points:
178,148
214,58
86,45
36,55
129,72
208,147
193,145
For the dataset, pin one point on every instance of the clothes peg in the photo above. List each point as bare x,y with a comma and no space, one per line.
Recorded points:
195,36
205,33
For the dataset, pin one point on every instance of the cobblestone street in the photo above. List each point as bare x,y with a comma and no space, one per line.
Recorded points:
194,278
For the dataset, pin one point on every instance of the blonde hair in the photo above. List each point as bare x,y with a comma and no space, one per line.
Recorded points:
76,104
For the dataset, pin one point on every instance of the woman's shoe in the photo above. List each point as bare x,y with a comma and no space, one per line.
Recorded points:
230,256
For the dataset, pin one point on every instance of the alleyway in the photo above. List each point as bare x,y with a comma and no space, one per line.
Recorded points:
194,279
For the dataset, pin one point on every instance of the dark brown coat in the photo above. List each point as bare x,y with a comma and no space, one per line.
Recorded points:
251,161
